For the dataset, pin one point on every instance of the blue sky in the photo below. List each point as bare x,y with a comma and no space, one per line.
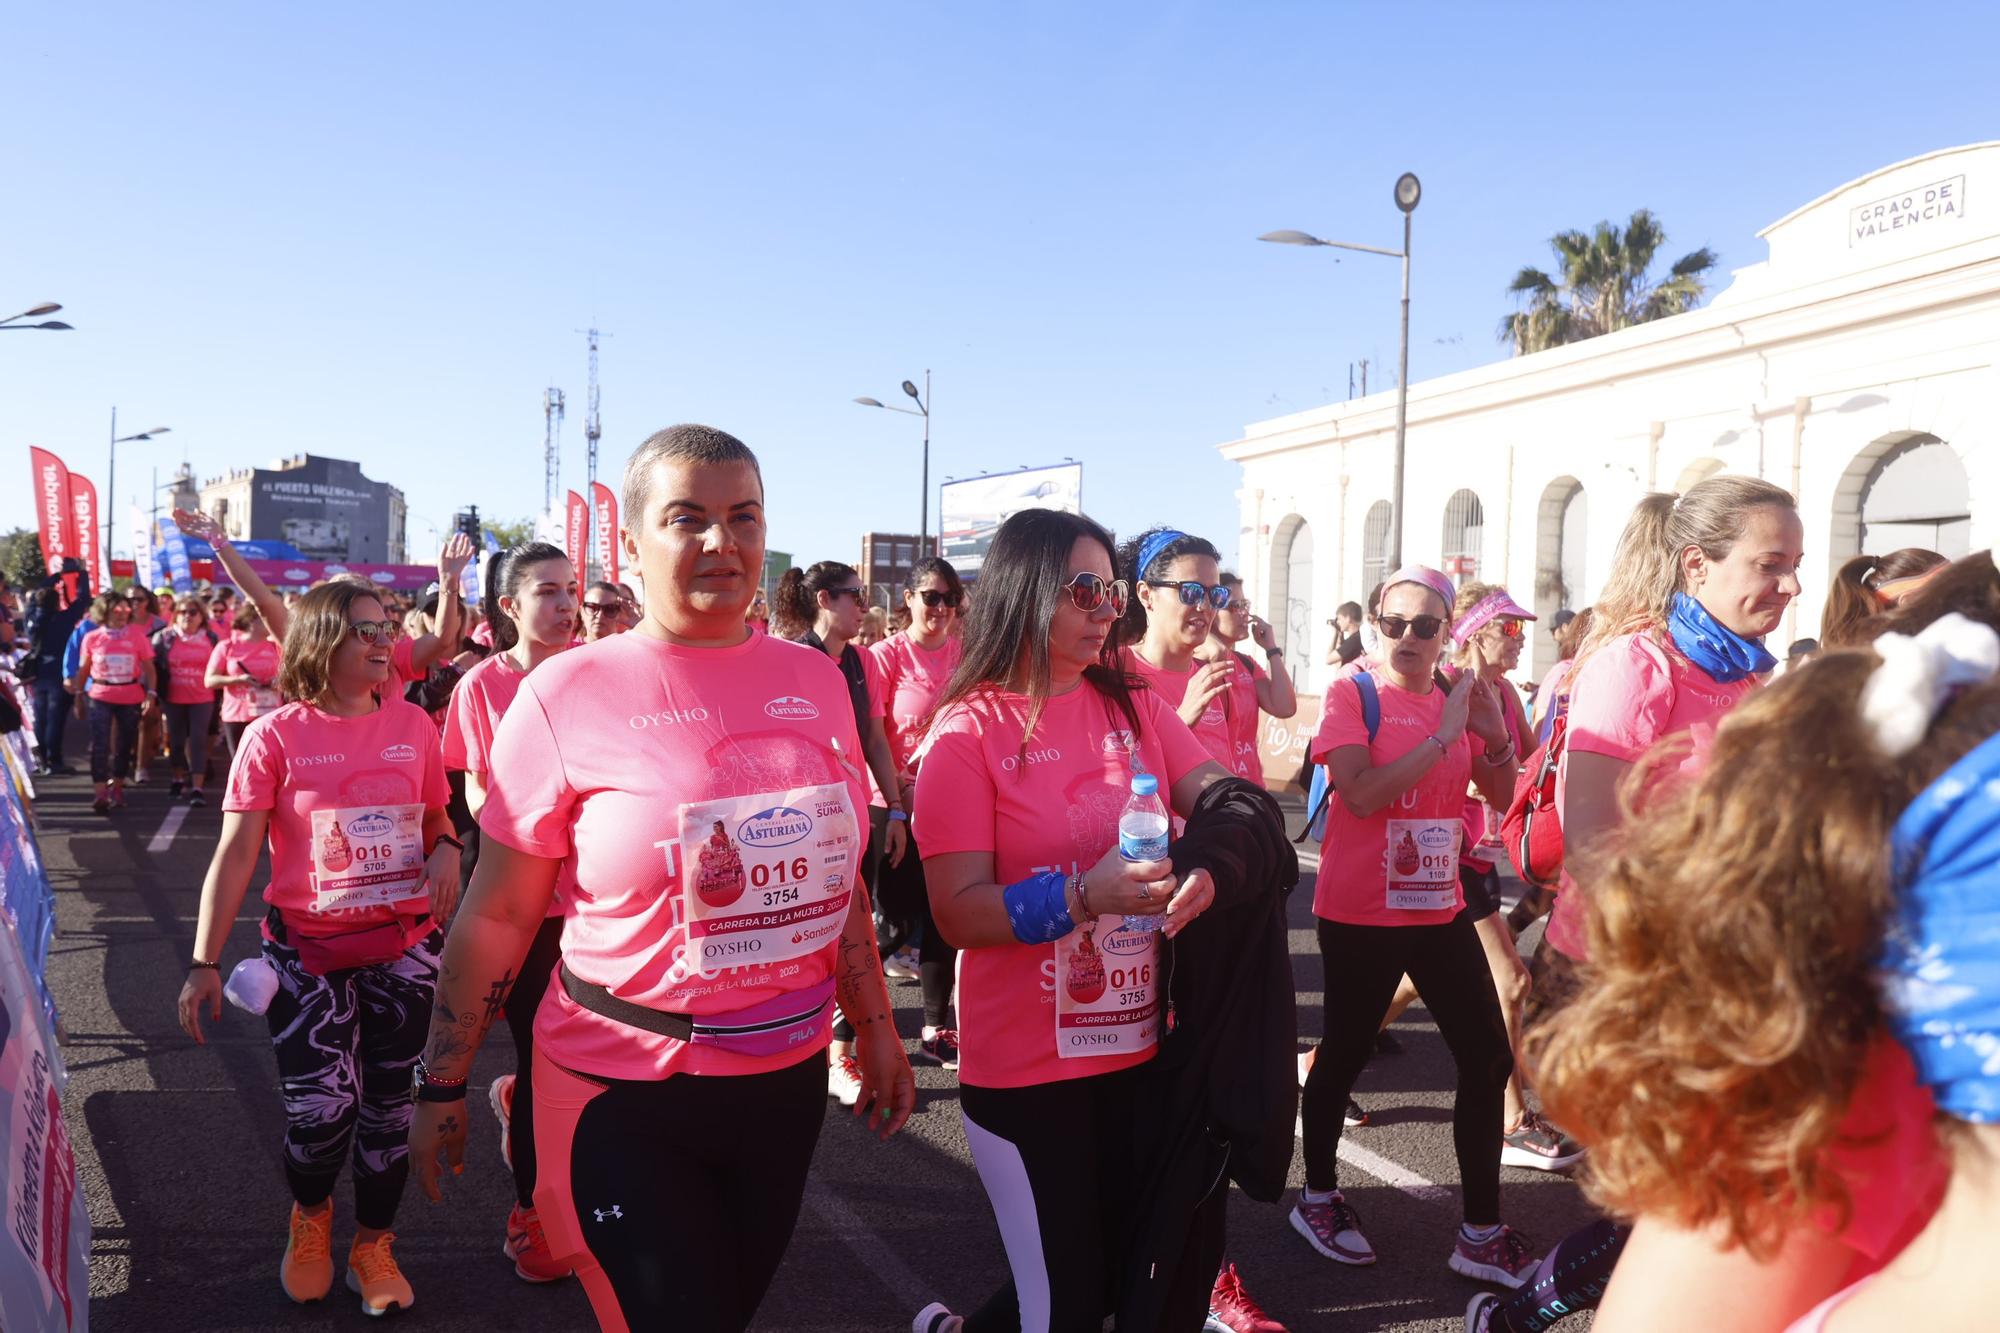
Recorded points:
372,231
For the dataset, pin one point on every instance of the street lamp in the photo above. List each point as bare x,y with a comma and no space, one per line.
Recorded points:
922,409
111,480
45,308
1408,191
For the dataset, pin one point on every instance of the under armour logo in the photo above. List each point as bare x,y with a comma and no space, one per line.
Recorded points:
613,1211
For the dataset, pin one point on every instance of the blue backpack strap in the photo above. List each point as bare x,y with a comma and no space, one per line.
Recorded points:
1371,704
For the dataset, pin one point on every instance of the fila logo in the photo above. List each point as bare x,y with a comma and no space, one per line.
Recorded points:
613,1211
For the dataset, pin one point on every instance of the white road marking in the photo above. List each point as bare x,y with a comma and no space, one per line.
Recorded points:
858,1236
1389,1173
168,828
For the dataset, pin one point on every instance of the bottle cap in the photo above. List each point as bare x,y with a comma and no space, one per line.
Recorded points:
1144,784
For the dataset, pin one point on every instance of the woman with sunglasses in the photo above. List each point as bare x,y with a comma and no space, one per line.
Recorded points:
1252,690
822,608
690,786
180,658
1038,745
115,673
244,667
348,789
913,666
1176,593
1389,903
603,611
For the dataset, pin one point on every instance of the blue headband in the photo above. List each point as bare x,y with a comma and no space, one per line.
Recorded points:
1149,550
1941,961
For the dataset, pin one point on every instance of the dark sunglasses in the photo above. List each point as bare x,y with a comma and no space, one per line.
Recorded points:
603,608
373,631
1392,627
934,599
1194,593
1087,592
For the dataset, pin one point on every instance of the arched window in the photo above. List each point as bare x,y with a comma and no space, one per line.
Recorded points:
1464,528
1300,627
1917,494
1375,546
1561,538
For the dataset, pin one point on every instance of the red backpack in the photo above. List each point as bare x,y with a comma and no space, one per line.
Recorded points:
1532,830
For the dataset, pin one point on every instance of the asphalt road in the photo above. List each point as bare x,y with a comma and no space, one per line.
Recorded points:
178,1149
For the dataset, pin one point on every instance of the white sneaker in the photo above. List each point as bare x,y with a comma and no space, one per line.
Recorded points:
935,1318
501,1097
843,1079
901,965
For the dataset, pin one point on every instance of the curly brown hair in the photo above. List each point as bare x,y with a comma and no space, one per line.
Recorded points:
1729,999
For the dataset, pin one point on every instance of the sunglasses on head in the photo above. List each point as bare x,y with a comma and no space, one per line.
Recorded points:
1392,627
934,598
1194,593
374,631
1087,592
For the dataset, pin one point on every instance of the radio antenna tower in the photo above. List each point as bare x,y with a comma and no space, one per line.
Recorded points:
552,417
593,428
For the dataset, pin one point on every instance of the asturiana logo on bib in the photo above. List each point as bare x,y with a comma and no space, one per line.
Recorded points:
400,754
789,707
371,825
1437,839
780,826
1126,941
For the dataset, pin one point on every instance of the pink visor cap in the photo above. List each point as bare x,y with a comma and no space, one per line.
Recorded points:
1488,609
1427,576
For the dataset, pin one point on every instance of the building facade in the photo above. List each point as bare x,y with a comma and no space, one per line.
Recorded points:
886,561
1856,367
324,507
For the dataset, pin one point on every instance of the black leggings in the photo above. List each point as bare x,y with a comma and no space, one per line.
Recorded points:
347,1042
112,757
187,738
1058,1165
906,900
1570,1277
522,1002
686,1192
1447,964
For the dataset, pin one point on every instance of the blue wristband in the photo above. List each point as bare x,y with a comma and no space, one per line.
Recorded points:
1038,908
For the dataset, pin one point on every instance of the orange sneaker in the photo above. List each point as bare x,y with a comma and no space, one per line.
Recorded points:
307,1271
501,1098
373,1275
528,1247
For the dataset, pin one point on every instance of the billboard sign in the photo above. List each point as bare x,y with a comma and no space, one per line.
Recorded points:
325,509
972,510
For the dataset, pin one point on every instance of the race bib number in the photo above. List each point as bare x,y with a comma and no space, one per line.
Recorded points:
366,857
264,699
767,878
1422,867
1107,990
119,668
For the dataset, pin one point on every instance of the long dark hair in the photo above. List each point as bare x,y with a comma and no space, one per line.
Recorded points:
1851,603
1020,584
505,572
795,604
1132,625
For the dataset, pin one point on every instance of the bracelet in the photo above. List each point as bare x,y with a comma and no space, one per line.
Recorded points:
1497,759
446,837
1083,894
898,814
1038,908
1443,749
198,963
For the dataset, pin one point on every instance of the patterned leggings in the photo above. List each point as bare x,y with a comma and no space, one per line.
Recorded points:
346,1044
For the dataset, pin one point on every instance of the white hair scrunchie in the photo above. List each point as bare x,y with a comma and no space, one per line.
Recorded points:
1904,693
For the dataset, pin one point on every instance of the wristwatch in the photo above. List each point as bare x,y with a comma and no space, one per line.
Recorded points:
429,1089
1274,651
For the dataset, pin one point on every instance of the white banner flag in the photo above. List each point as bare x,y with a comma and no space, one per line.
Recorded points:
142,545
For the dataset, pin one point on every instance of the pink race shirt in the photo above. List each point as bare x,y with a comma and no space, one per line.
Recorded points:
257,659
1626,697
1240,708
912,678
1042,1013
1212,729
478,702
111,659
1399,866
348,797
709,829
187,669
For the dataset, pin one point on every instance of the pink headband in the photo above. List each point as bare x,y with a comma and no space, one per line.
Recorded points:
1427,576
1484,612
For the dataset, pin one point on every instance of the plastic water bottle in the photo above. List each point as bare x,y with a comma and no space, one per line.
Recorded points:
1142,835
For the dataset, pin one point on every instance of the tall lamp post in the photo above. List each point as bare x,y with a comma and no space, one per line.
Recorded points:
45,308
922,409
111,481
1408,191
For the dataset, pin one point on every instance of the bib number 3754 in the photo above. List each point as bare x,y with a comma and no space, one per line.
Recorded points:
766,878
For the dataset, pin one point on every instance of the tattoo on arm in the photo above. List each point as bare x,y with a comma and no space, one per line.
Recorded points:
496,997
863,996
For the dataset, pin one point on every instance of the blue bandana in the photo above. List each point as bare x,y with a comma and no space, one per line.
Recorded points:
1150,549
1713,646
1941,961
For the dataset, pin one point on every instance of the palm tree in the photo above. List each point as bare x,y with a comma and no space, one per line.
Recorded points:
1604,286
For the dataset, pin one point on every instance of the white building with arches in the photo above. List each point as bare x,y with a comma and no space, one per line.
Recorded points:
1858,367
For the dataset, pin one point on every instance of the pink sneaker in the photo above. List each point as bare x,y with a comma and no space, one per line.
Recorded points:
1230,1306
1503,1257
1332,1228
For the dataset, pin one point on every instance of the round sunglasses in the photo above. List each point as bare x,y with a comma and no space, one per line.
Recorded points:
1194,592
1087,592
934,598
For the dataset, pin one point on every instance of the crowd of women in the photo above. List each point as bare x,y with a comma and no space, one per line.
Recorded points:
1767,977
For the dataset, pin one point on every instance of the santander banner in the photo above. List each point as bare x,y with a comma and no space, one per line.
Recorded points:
55,512
83,504
604,516
576,530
